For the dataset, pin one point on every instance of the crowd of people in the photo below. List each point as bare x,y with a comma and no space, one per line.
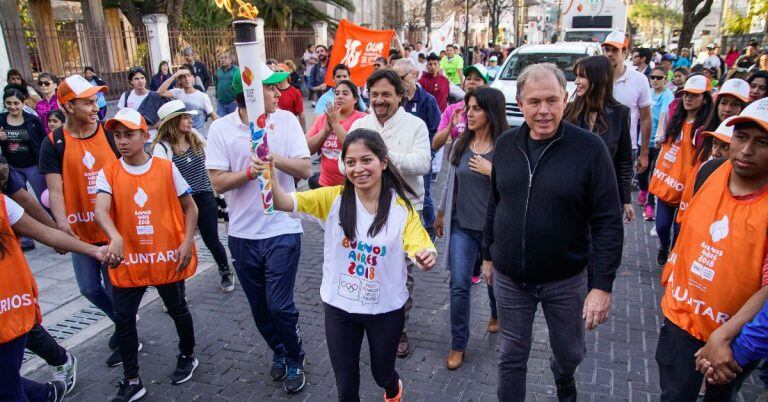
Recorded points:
536,210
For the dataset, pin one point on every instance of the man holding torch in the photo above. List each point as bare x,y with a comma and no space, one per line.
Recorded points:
265,244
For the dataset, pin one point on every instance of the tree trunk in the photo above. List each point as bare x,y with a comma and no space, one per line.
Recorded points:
691,19
131,13
428,17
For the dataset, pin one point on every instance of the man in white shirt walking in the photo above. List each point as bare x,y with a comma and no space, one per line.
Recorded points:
632,89
265,248
193,98
407,139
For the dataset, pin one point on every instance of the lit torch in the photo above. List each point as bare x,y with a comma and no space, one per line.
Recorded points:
246,45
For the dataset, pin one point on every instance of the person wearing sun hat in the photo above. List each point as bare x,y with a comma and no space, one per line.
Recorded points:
716,282
70,158
145,207
180,143
264,245
631,88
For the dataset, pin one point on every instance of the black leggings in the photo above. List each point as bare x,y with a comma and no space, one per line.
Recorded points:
344,335
208,224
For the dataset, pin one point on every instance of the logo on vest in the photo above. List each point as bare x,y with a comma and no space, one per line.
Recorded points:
88,160
718,230
140,197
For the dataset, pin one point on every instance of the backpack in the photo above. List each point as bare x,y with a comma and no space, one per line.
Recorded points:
58,140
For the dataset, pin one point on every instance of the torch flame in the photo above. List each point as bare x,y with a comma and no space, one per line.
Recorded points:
244,10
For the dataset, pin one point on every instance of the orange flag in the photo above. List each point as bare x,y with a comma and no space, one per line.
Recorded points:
357,48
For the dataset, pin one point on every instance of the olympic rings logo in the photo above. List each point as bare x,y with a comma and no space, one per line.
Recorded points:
351,287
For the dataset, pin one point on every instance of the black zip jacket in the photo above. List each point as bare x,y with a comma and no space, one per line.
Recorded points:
539,218
619,143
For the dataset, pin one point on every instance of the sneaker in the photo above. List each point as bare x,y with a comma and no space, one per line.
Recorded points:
653,232
433,178
56,391
294,380
648,213
661,257
67,373
642,197
399,396
27,246
475,280
129,392
278,372
313,103
185,367
404,346
227,283
115,359
566,391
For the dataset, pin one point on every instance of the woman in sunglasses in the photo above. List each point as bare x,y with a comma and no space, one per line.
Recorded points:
47,83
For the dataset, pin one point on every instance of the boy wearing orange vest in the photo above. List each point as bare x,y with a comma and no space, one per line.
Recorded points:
716,274
19,309
70,159
145,207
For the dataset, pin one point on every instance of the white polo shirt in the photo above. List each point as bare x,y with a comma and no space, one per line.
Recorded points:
229,149
633,91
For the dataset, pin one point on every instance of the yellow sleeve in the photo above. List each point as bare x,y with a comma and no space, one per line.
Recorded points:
315,204
415,237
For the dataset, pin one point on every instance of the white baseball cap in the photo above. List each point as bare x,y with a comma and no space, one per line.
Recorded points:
756,112
617,39
129,118
698,84
735,87
723,132
76,87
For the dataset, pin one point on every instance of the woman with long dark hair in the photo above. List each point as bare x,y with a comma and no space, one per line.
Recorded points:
594,109
463,204
178,142
676,156
328,133
370,230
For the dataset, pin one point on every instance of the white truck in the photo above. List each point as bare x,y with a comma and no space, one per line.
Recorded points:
592,20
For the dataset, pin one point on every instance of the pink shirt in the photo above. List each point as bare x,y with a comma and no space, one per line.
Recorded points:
445,120
43,107
330,151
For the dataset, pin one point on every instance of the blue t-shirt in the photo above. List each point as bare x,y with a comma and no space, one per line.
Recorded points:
659,103
328,98
15,182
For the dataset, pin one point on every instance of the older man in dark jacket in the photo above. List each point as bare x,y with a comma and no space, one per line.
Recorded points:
555,187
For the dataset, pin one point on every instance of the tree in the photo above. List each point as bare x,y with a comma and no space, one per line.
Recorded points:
135,9
495,10
693,12
646,15
737,24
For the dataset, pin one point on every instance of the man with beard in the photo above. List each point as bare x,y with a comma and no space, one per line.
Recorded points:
407,139
317,76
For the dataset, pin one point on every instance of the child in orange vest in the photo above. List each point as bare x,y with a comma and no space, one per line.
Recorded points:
19,309
717,272
145,207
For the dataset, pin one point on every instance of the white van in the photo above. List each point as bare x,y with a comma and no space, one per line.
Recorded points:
564,55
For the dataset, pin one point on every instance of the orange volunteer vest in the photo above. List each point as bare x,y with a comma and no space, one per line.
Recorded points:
685,198
717,261
83,158
672,167
148,215
19,311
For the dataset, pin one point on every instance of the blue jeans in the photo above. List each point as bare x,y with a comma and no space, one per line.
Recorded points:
266,270
665,219
14,387
465,247
89,274
223,109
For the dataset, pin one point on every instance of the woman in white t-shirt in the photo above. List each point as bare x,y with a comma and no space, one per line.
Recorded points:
370,230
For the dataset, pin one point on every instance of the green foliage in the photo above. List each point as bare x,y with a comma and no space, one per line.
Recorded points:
277,14
643,13
738,25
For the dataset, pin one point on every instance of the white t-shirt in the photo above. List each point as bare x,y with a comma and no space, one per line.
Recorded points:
199,101
712,61
179,184
633,91
368,275
12,209
133,102
229,149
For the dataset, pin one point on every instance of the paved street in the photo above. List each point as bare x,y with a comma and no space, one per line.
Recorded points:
234,360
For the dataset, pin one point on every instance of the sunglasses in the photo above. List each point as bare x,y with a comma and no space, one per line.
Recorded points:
657,77
44,83
376,65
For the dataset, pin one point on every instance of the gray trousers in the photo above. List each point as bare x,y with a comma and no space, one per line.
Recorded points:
562,302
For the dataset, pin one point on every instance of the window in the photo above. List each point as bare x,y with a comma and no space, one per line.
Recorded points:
519,61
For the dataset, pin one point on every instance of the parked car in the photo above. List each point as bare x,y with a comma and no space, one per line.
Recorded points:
564,55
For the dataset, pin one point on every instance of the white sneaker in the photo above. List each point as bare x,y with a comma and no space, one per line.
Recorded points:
653,232
67,373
